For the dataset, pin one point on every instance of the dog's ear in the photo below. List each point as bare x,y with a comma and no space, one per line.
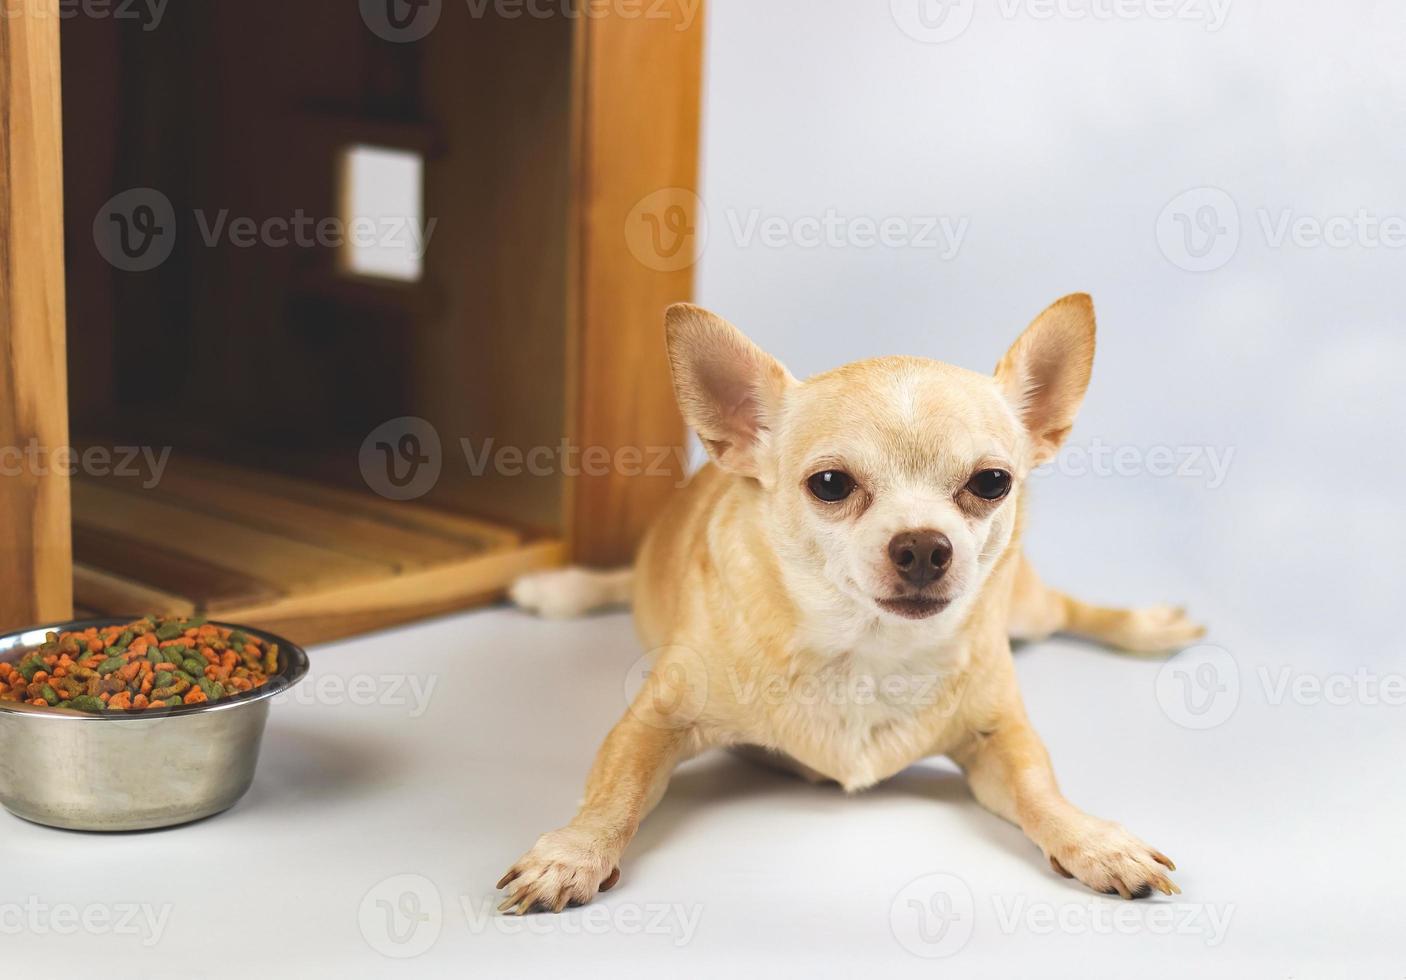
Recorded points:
728,388
1046,371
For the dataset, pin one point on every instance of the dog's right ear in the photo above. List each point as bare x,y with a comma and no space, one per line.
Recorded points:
728,388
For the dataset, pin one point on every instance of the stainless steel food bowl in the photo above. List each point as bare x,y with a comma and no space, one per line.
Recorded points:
138,770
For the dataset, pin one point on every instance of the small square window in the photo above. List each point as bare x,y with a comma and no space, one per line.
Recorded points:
383,208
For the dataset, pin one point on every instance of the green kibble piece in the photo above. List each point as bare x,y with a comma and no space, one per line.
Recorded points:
170,631
86,702
195,668
238,638
195,622
174,702
64,704
111,664
154,656
179,675
49,694
212,690
162,678
30,666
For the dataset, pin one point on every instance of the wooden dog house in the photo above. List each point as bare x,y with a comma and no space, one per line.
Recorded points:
279,366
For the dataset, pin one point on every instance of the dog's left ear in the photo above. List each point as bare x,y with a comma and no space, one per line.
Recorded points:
1046,371
728,388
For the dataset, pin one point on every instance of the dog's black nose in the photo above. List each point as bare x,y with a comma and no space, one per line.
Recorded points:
920,556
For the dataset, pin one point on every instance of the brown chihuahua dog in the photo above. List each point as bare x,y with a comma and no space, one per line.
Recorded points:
857,533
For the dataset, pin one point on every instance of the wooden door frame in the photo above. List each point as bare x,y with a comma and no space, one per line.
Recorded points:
637,120
36,560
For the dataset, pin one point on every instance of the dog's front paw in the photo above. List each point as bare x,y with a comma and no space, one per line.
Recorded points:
1156,629
565,867
1108,859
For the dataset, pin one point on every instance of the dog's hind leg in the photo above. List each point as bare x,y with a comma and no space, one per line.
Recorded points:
565,592
1037,611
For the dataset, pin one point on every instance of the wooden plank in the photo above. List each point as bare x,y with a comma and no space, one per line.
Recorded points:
490,369
286,565
36,573
465,532
253,504
638,115
209,536
150,569
363,607
105,594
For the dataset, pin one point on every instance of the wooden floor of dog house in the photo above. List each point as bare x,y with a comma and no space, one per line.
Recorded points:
311,561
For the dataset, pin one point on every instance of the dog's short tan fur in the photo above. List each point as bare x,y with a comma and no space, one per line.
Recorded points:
756,595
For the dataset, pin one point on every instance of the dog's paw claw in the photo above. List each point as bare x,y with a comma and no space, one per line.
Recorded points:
565,867
1110,860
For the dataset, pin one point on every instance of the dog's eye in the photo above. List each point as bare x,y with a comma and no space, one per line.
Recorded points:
990,484
831,486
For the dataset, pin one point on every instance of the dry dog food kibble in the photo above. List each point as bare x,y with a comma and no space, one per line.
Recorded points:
151,663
